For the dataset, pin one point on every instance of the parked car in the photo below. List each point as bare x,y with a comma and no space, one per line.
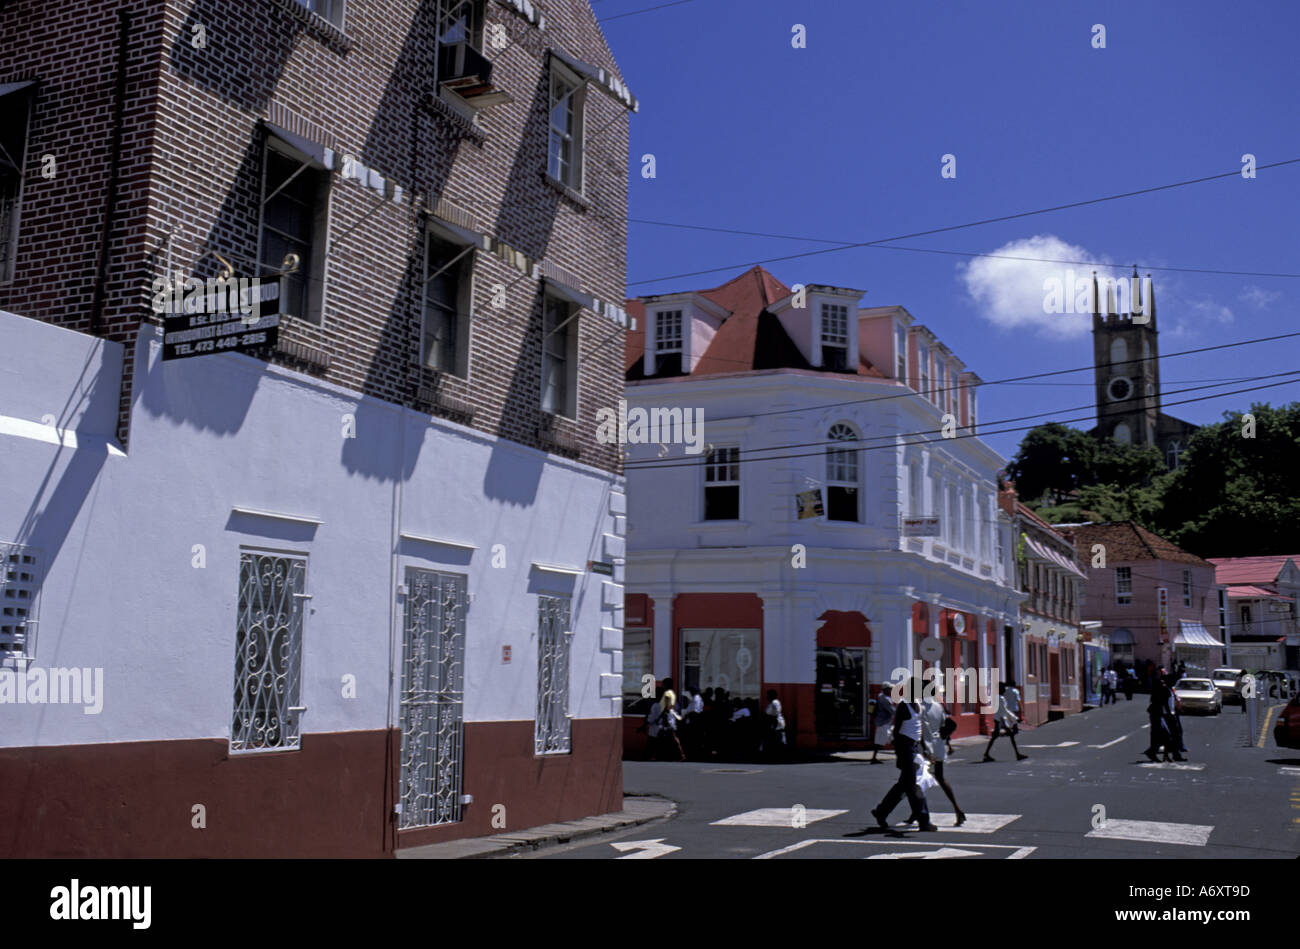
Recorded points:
1198,695
1287,731
1228,681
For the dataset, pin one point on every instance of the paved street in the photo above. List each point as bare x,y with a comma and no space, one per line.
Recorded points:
1227,800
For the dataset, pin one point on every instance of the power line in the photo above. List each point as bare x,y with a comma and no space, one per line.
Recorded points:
859,442
957,227
743,459
960,253
674,3
912,393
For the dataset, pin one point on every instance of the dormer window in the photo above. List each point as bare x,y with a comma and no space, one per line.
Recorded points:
835,336
668,342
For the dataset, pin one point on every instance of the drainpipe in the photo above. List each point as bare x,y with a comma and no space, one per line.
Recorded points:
114,174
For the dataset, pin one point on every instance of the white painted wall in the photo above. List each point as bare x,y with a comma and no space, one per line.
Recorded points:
215,432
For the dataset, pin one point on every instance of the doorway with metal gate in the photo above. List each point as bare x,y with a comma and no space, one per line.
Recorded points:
840,704
432,697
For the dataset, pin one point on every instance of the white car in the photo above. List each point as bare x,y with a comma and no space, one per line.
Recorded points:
1199,695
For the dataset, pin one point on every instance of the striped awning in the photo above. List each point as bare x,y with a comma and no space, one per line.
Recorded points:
1194,634
1051,556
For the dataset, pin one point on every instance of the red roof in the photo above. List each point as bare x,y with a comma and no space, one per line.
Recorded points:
745,341
1126,541
1249,569
1254,593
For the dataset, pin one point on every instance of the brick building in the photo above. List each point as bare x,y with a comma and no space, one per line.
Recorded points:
406,476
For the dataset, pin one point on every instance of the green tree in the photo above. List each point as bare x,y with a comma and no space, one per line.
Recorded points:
1235,495
1054,460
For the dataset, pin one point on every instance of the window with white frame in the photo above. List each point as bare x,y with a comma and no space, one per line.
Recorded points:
923,358
936,504
295,198
954,517
330,10
668,342
1123,585
19,587
268,651
564,162
14,111
900,344
915,502
835,336
841,476
1187,588
446,311
722,484
559,356
972,517
554,639
1001,544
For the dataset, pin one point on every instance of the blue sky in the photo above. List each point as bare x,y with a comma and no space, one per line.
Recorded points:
843,141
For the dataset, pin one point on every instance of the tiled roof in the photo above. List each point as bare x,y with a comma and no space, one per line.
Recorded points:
1126,541
1249,569
749,339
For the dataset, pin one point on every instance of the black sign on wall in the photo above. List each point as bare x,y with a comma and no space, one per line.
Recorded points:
234,315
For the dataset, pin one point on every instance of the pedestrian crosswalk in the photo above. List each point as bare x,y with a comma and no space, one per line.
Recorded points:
1154,831
795,816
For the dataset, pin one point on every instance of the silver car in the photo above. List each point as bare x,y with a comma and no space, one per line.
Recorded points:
1228,681
1199,695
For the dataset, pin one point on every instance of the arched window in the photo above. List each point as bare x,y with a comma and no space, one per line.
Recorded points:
1123,434
1171,454
1118,351
841,476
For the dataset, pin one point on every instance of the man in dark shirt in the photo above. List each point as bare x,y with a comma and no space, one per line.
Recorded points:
907,745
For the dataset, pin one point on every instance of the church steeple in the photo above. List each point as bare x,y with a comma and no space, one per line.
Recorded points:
1126,359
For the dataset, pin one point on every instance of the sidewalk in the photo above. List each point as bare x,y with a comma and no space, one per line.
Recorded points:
963,742
637,809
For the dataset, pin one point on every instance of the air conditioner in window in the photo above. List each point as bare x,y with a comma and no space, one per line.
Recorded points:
468,73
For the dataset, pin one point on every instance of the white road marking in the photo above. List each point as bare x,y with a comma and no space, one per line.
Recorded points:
975,823
1114,741
1064,744
943,853
773,817
645,849
1173,765
1288,769
1019,852
1154,831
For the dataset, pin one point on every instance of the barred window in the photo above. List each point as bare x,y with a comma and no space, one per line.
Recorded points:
722,484
268,651
554,638
19,586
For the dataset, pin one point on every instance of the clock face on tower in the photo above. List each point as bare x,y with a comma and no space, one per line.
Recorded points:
1119,389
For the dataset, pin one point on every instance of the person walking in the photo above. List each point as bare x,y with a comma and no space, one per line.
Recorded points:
1006,720
669,719
935,730
1130,682
882,717
1161,716
1112,684
907,746
774,740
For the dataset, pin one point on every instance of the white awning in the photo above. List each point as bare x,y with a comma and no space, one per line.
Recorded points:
1194,634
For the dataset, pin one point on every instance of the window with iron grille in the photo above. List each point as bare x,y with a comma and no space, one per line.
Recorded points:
835,336
294,199
841,476
19,586
722,484
559,356
552,736
268,651
564,162
331,10
14,109
1123,585
446,305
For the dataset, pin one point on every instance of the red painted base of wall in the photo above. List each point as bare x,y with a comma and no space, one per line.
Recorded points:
332,798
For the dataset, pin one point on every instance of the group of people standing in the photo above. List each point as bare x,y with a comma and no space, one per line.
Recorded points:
713,723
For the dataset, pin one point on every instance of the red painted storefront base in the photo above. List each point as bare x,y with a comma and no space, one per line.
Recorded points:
331,798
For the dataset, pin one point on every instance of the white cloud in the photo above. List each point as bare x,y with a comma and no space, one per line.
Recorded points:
1258,297
1016,293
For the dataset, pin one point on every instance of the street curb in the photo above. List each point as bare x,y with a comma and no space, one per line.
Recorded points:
637,809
